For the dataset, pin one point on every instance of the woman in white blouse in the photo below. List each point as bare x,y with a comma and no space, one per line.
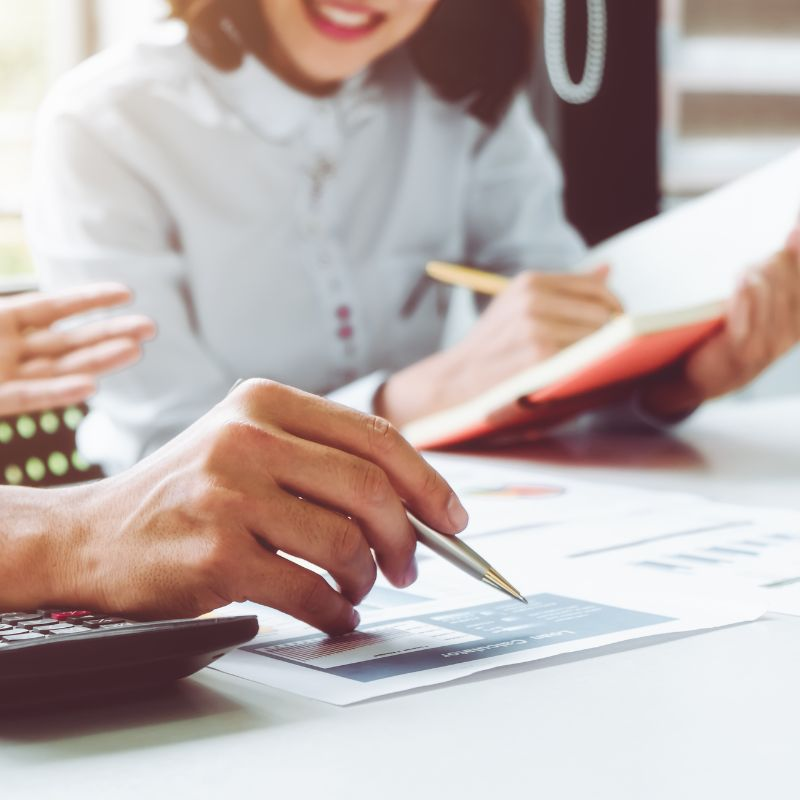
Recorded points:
272,184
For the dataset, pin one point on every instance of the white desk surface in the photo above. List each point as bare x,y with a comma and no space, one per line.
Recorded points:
706,716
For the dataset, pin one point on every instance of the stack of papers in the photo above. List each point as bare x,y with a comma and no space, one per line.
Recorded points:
598,565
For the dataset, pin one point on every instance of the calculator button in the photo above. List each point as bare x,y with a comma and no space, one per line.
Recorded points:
14,631
111,621
113,625
19,617
67,630
55,626
60,616
5,628
22,637
34,624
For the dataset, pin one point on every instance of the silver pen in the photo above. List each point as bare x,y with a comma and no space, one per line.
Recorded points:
461,555
454,550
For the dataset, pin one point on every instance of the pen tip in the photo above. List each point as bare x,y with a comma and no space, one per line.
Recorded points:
499,582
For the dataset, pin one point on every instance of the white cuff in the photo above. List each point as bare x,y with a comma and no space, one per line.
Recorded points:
361,393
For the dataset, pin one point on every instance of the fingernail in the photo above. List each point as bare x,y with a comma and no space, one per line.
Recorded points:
457,513
412,573
355,621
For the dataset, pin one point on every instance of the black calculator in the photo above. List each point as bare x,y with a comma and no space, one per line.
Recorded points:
52,655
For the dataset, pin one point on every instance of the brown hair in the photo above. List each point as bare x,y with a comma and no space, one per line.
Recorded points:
474,51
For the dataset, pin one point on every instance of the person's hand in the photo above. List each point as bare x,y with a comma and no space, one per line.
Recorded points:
215,515
42,367
538,315
762,323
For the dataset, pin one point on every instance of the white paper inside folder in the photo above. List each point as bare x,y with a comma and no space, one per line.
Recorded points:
695,253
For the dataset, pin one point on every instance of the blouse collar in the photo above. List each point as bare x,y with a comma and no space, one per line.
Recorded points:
279,112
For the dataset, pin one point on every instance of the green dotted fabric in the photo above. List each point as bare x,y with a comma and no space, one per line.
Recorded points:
39,449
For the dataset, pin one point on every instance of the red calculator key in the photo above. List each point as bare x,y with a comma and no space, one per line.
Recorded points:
60,616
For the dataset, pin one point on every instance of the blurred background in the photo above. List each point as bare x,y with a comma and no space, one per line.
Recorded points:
697,92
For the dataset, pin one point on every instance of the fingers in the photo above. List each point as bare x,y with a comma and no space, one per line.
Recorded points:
97,359
773,292
50,343
20,397
782,288
763,322
285,586
739,315
746,317
370,438
784,274
590,285
40,310
574,309
322,537
547,337
793,243
358,488
601,271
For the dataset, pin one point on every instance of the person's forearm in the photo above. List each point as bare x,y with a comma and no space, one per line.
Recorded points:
421,389
36,535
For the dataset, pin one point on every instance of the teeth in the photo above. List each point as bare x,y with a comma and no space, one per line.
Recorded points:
345,18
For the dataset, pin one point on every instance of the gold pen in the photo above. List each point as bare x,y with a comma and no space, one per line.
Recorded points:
477,280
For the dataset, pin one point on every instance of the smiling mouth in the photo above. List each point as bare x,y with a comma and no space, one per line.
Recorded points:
343,20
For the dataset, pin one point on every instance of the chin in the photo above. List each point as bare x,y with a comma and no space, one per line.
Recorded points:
325,73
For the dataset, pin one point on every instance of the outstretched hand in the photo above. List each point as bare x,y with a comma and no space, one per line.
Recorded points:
43,367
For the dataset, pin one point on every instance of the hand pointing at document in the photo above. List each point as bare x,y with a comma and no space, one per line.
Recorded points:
210,518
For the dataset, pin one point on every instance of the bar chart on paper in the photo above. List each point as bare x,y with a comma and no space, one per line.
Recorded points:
762,555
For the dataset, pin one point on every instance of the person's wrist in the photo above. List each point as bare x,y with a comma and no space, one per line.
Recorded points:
421,389
38,547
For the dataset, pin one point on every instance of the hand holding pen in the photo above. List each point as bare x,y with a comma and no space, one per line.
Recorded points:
532,317
213,516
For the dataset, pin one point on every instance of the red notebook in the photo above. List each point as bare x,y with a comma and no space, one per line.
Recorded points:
625,349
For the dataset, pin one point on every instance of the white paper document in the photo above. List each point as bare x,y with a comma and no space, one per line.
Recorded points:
408,647
599,565
687,541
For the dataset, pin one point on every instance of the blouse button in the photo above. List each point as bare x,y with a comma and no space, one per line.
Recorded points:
345,332
343,312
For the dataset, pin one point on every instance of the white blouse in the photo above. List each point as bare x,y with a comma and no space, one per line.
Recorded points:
272,234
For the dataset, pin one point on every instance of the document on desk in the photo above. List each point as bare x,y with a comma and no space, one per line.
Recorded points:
407,647
757,550
696,544
599,564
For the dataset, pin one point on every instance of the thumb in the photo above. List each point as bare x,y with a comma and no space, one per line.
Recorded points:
793,242
601,272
